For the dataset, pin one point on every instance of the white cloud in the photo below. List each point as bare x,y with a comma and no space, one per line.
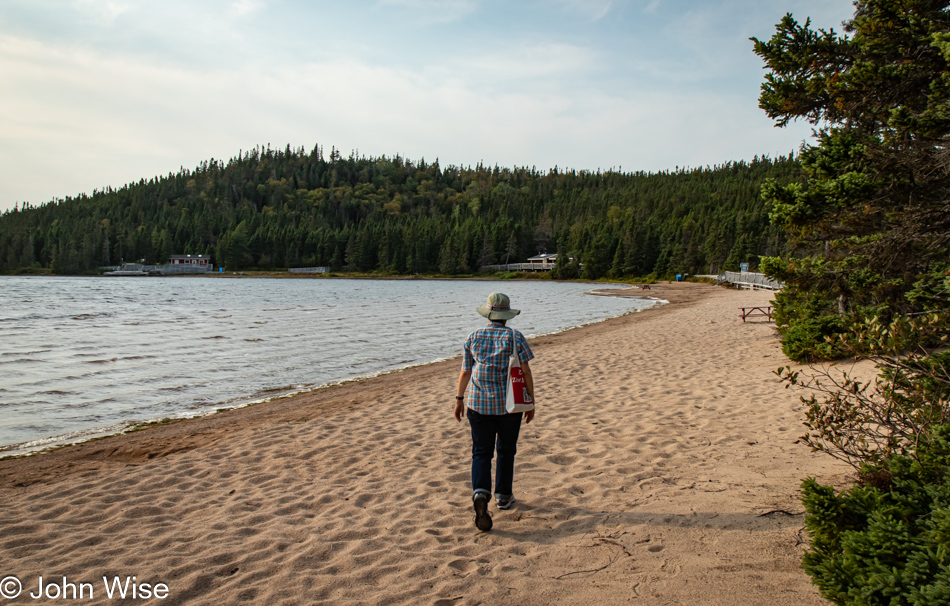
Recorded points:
102,12
435,11
519,63
594,10
246,7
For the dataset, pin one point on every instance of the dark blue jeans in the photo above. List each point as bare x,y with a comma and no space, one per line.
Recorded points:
491,432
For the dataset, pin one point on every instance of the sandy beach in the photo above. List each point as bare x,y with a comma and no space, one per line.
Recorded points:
661,469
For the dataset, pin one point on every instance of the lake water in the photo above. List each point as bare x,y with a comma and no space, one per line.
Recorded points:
81,357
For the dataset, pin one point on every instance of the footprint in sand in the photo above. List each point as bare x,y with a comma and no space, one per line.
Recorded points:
561,459
465,566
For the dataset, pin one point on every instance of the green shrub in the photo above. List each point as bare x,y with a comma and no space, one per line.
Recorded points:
887,539
807,340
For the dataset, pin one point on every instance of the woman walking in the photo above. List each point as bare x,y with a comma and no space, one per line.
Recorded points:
485,366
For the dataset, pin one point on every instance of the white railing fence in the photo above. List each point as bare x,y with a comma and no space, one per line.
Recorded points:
519,267
183,268
750,280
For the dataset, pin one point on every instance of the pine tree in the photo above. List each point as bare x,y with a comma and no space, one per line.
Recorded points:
872,215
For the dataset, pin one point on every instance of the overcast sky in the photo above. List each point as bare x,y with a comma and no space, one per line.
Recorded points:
104,92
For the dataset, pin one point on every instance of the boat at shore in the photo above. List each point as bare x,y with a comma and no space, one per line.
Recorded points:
177,264
133,270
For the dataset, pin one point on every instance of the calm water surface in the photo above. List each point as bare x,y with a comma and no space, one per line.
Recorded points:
86,356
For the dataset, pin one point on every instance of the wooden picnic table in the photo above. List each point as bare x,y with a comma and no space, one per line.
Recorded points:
746,312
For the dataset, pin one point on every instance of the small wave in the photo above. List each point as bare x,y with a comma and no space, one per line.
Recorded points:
90,316
73,437
99,361
23,353
22,360
215,337
253,340
29,317
222,317
276,389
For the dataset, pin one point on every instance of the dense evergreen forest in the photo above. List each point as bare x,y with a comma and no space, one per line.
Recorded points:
271,208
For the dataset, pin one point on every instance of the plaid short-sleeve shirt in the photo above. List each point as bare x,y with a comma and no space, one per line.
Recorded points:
487,351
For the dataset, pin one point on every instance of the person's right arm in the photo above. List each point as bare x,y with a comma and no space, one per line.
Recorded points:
464,378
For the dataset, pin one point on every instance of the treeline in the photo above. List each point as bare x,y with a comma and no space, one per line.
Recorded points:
271,208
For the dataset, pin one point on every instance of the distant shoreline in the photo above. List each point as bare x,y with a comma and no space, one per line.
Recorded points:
521,276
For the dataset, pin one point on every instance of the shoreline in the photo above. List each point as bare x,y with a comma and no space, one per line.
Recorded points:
154,424
662,450
49,444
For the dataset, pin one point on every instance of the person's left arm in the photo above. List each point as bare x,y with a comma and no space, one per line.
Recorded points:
529,385
524,356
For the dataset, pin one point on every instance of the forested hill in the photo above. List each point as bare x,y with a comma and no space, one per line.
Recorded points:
289,208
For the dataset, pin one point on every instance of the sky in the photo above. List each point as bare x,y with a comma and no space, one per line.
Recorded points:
97,93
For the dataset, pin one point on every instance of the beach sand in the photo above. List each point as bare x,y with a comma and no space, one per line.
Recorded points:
661,444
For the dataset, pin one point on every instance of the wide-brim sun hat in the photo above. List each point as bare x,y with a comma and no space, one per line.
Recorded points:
498,307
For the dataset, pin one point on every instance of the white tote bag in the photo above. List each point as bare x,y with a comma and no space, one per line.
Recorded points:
518,399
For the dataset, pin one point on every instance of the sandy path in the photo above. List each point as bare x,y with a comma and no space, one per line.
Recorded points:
660,440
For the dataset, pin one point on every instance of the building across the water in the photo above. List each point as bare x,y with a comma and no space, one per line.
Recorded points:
543,261
200,260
